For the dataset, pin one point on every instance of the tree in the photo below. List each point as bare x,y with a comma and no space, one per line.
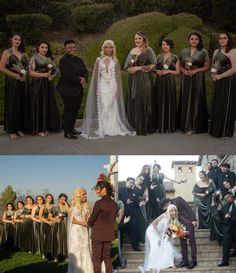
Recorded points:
8,195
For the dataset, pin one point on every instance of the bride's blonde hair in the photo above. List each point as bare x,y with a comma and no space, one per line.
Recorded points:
76,200
113,51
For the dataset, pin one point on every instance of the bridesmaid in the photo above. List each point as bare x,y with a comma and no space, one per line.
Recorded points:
139,63
165,88
37,248
14,64
46,234
194,61
8,220
59,216
18,220
46,115
204,193
224,95
27,227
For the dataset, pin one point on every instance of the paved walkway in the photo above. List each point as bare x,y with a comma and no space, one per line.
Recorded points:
175,143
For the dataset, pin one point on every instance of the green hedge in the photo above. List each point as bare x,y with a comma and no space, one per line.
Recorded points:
32,26
60,14
92,18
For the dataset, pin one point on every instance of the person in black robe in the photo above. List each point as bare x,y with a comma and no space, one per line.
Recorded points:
214,172
74,76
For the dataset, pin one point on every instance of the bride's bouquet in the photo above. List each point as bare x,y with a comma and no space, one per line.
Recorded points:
177,230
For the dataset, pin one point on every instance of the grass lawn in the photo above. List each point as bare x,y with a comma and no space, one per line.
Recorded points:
21,262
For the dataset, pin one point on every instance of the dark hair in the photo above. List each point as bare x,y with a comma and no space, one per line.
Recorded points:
143,169
49,194
226,165
10,203
169,42
157,165
215,160
21,202
164,202
200,44
230,41
104,184
21,47
29,196
62,195
41,197
204,173
69,41
130,178
49,53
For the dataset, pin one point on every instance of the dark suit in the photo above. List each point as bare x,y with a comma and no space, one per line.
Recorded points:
102,222
229,228
70,88
186,217
130,210
213,174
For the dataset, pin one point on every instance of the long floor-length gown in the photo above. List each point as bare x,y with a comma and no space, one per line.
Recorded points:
46,116
18,229
160,251
17,98
9,229
140,94
165,103
193,116
105,112
79,248
27,231
222,116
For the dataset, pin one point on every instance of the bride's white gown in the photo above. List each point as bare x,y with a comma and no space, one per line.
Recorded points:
105,112
157,256
79,249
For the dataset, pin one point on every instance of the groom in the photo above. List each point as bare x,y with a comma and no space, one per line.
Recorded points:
102,222
188,219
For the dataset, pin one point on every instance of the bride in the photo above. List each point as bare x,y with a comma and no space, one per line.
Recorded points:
159,249
105,112
79,250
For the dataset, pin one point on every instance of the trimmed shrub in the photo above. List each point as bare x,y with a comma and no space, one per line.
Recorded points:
93,18
32,26
60,14
186,19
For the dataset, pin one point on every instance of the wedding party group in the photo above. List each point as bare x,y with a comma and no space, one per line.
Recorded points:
77,233
151,103
153,219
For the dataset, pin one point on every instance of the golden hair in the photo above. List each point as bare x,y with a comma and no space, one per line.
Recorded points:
114,48
76,201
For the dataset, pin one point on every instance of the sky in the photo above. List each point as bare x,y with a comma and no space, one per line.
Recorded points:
132,165
56,173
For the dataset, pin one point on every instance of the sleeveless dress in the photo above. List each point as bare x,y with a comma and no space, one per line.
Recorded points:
17,98
59,232
105,111
223,100
46,116
18,229
140,93
165,108
37,248
27,231
46,234
192,102
9,229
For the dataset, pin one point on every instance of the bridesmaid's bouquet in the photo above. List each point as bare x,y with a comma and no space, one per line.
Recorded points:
215,67
177,230
188,63
133,61
18,68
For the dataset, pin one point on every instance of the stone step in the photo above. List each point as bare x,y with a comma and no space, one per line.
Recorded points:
202,262
227,269
211,253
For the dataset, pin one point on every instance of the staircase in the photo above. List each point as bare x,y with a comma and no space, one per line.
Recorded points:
209,255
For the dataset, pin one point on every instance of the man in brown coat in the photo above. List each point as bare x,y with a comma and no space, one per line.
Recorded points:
102,222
